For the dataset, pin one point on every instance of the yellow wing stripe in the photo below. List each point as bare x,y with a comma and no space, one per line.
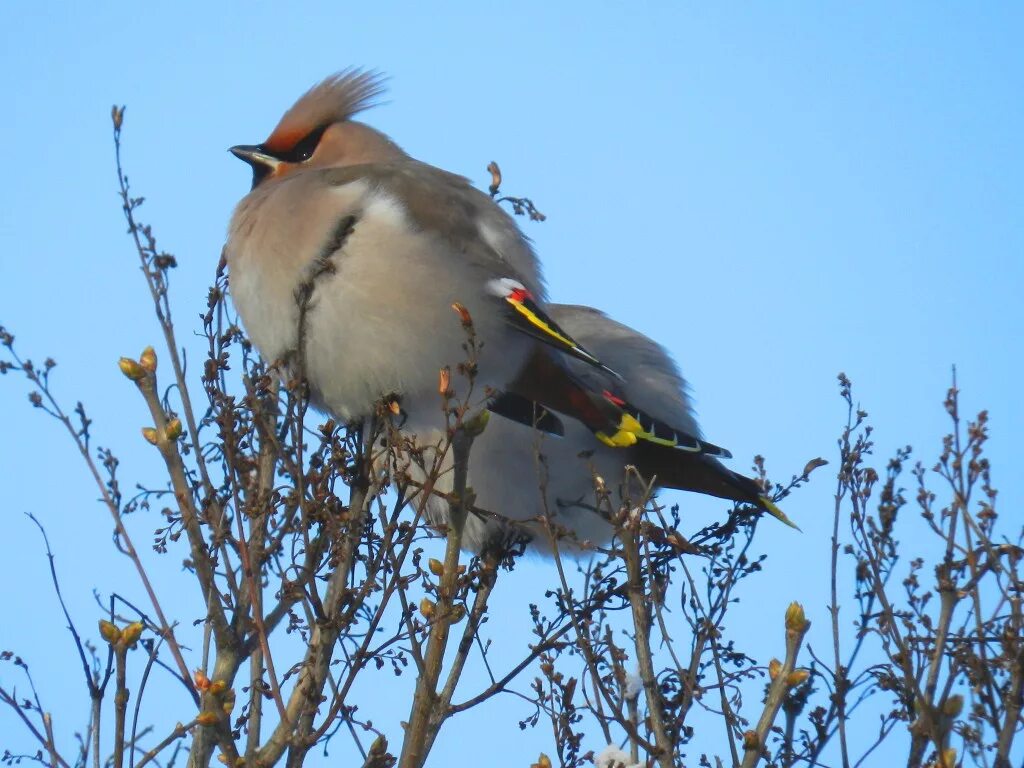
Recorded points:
652,438
537,322
628,434
618,440
630,431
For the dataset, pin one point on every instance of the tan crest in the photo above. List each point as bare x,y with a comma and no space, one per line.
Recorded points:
333,100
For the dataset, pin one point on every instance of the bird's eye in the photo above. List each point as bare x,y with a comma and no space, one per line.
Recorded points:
305,148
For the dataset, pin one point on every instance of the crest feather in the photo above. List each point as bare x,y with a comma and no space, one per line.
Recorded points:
333,100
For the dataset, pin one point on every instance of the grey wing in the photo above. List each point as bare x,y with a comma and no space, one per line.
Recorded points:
442,202
652,381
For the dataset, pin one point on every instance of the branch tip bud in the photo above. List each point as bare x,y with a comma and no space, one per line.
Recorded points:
495,171
201,680
130,634
131,369
109,632
464,316
148,359
796,620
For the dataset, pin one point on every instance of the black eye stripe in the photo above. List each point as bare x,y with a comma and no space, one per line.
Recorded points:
304,148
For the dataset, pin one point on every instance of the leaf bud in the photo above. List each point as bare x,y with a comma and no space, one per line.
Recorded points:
953,706
201,680
797,677
796,620
109,632
476,424
427,608
174,429
131,369
148,359
130,634
464,316
207,718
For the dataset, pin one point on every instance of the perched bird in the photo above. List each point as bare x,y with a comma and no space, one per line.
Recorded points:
521,473
378,246
348,256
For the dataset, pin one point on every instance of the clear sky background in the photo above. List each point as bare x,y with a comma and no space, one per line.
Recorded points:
775,192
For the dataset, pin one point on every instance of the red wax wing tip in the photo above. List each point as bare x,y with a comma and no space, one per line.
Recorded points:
509,289
617,400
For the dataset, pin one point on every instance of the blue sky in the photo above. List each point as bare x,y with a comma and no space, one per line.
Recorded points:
776,193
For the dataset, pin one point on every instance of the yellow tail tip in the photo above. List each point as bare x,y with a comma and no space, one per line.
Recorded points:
621,439
773,510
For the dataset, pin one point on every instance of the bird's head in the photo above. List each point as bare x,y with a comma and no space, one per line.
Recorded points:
318,132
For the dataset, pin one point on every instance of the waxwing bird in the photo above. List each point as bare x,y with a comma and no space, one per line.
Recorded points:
520,472
354,254
349,255
379,246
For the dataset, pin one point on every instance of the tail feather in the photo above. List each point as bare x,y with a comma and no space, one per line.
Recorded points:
678,460
772,509
704,474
